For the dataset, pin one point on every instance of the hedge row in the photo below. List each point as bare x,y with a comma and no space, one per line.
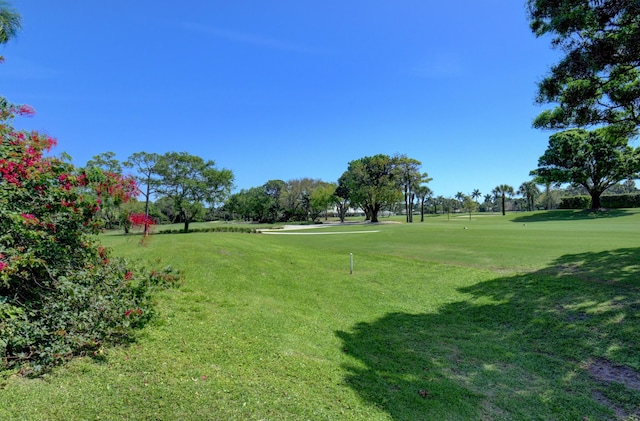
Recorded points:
611,202
213,229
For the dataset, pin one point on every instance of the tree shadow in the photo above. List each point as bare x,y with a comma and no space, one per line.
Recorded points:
572,215
520,347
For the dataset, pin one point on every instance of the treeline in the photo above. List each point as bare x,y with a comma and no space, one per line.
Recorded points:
186,188
181,188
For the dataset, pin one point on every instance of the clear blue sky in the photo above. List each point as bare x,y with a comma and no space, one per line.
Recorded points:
287,89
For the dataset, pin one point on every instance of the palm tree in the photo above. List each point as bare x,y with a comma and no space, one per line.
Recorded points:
10,22
460,198
475,194
488,199
422,194
502,191
530,191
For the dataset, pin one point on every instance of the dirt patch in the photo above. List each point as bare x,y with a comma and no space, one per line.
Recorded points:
608,372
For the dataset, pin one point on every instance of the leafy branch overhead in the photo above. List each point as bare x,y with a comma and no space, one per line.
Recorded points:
597,81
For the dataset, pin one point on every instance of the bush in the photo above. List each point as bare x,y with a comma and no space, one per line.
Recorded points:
575,202
615,201
213,229
61,294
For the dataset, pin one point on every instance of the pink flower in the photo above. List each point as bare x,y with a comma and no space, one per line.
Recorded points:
26,110
29,218
2,266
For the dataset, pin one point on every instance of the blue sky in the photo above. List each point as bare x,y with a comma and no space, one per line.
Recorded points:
287,89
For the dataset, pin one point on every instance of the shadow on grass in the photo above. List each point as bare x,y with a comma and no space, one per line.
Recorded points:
572,215
520,347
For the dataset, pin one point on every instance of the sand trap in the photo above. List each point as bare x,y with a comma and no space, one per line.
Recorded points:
281,232
284,230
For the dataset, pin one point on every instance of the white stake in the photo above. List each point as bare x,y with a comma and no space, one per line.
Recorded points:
351,264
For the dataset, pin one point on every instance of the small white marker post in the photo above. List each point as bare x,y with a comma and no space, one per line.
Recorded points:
350,263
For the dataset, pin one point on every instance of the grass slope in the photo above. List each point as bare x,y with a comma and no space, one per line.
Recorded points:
532,316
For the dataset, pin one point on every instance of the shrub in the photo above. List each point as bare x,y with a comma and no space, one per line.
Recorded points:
61,294
615,201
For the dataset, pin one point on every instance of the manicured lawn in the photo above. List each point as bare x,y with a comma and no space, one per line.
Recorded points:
528,316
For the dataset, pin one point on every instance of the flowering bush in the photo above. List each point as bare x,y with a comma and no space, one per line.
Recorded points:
61,294
141,220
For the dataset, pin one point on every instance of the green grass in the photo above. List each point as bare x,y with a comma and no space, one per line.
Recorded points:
506,319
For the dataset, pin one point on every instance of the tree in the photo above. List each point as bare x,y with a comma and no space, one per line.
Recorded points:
409,177
595,159
460,198
598,79
423,193
488,201
190,182
10,23
341,199
144,163
502,191
469,205
530,191
321,197
112,212
296,198
372,184
274,190
475,195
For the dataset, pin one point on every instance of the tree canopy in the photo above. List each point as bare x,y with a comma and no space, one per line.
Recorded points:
190,181
598,79
371,182
595,159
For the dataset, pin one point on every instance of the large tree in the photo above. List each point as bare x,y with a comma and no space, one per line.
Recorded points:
598,78
595,159
190,182
372,183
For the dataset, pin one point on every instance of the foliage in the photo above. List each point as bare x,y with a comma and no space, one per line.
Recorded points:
598,78
190,182
10,23
320,199
423,193
144,163
617,201
372,183
244,230
574,202
301,199
409,177
596,159
530,191
502,191
60,292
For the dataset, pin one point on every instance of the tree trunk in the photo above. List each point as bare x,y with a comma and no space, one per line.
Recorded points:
595,200
374,213
503,200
